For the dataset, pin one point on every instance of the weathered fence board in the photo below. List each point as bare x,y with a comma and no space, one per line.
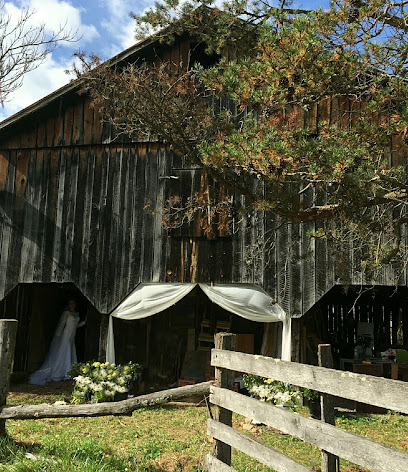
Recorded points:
385,393
125,407
215,465
253,448
361,451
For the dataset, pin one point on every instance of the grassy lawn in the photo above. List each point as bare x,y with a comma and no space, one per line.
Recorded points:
170,438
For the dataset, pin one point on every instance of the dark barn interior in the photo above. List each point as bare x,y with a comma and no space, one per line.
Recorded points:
176,342
38,307
335,319
163,344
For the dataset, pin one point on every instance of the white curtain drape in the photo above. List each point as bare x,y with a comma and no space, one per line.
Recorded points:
246,300
146,300
253,303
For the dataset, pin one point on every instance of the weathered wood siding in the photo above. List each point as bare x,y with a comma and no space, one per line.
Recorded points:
72,210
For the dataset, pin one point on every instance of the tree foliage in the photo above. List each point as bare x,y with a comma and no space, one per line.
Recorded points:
305,113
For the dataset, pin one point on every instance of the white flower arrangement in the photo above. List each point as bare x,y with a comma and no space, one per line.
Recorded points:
269,390
101,381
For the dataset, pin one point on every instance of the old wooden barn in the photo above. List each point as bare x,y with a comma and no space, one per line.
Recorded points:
74,224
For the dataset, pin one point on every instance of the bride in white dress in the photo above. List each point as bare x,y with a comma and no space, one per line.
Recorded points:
62,353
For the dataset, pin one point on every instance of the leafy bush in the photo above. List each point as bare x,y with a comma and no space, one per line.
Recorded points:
100,382
311,395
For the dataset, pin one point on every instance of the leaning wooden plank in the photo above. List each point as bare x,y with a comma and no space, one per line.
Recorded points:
362,451
215,465
386,393
125,407
253,448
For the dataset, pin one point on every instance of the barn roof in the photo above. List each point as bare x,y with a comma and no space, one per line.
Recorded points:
128,55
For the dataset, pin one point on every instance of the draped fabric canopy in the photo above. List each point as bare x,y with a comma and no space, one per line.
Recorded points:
246,300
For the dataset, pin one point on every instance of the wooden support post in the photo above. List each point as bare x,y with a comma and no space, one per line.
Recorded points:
295,333
8,333
330,462
224,379
103,337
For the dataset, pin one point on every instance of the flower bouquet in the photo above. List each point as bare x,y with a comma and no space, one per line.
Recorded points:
101,382
273,391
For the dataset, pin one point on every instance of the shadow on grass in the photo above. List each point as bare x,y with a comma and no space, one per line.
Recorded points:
357,418
10,449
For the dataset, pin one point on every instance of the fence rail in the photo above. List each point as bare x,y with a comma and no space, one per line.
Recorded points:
335,442
385,393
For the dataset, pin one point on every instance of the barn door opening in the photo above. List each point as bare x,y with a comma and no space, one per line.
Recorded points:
183,334
38,307
342,315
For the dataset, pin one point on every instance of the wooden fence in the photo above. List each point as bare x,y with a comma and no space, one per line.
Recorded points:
334,442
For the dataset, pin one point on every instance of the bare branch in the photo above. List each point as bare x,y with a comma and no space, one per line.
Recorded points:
24,46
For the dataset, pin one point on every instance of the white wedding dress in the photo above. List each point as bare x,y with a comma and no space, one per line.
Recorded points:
62,353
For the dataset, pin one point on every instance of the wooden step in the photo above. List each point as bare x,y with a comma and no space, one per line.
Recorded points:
206,337
223,325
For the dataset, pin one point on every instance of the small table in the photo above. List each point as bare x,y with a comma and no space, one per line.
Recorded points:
377,367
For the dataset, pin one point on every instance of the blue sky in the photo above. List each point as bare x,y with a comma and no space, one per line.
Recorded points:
105,28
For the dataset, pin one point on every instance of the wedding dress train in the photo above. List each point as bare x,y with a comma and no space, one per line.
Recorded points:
62,353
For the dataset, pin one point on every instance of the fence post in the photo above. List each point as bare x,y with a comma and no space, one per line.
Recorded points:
225,379
8,332
330,462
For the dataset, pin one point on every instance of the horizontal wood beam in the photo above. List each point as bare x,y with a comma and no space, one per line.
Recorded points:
125,407
385,393
254,448
92,145
362,451
215,465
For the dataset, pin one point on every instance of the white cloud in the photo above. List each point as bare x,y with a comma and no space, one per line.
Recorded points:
119,24
53,14
105,28
57,14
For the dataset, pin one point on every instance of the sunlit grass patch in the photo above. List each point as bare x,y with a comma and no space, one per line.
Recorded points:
169,438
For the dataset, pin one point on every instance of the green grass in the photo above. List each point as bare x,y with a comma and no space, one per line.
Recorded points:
170,438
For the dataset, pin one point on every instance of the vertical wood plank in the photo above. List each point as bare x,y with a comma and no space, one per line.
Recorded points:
224,379
103,337
8,335
296,341
330,462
